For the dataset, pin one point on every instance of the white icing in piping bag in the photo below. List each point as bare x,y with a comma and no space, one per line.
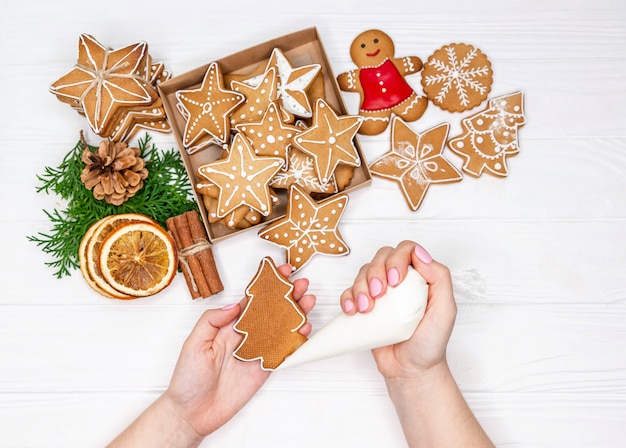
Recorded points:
393,320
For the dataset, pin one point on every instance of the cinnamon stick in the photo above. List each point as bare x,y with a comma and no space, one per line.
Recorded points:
184,232
171,226
207,261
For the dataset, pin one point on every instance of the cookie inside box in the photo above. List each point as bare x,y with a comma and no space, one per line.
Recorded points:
301,48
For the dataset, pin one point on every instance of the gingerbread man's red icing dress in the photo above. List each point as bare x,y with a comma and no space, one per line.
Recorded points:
383,87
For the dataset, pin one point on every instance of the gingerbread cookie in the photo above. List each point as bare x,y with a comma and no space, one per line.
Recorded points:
330,140
301,171
309,227
490,136
271,136
415,161
258,98
207,110
151,117
379,79
270,319
104,83
243,178
241,217
457,77
294,83
343,176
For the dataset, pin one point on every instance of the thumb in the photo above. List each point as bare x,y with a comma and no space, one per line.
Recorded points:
437,275
212,320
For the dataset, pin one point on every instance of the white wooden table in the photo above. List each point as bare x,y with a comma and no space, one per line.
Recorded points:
539,349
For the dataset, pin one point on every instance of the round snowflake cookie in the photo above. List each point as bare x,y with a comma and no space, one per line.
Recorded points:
457,77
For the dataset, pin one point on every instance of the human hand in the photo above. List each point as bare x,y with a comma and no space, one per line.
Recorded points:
209,385
427,347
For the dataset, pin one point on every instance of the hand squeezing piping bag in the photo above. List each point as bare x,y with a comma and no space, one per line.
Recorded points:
393,320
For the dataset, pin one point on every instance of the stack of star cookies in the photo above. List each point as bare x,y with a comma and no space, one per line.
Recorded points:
276,130
114,89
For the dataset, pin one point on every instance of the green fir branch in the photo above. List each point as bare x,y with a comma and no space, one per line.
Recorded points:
166,192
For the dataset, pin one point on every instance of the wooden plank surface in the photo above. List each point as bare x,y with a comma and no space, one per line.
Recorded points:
538,258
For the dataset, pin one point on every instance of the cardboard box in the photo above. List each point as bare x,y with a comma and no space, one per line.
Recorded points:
301,48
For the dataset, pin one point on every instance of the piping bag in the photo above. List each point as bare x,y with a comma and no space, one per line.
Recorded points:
394,319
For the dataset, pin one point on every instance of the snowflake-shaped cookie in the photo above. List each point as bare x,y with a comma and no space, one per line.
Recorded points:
457,77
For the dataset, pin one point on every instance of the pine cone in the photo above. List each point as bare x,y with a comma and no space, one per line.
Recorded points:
114,172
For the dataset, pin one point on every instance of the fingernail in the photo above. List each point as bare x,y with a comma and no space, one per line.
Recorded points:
424,256
393,277
361,302
348,306
376,287
230,306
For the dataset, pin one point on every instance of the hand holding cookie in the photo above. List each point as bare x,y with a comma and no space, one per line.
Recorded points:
209,386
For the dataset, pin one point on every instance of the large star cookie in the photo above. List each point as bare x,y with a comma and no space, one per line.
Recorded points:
490,136
270,320
243,178
415,161
330,140
208,109
309,228
104,80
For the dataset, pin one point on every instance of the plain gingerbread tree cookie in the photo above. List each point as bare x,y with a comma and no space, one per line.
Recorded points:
379,79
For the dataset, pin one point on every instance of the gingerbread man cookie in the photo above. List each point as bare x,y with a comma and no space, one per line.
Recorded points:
379,79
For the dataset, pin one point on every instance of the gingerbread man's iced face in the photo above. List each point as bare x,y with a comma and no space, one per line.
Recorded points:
371,48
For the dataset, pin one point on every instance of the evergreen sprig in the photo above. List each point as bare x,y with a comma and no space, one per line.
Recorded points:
166,192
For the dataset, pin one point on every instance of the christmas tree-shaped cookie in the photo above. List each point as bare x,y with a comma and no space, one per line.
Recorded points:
270,320
491,136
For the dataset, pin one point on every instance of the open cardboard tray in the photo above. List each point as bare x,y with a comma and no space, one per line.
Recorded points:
301,48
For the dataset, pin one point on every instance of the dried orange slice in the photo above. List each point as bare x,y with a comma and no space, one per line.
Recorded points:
90,249
138,258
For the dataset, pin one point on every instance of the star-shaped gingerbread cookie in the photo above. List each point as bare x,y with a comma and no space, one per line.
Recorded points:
270,136
330,140
258,98
104,80
243,178
293,83
415,161
208,108
309,228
